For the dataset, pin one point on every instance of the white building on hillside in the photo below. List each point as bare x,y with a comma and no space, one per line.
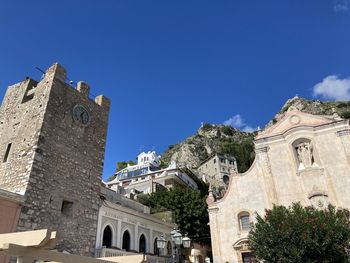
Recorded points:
216,171
147,177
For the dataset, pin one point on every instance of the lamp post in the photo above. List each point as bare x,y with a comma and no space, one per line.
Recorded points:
177,240
161,243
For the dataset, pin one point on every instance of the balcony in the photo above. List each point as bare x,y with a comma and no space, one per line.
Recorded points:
130,257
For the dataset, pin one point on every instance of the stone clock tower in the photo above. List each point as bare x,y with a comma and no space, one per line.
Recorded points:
52,142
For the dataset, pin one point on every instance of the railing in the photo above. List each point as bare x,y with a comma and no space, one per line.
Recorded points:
113,252
156,259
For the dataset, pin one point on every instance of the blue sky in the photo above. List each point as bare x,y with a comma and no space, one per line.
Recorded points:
167,66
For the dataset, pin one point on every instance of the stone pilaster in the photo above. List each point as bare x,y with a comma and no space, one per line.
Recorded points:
263,157
345,140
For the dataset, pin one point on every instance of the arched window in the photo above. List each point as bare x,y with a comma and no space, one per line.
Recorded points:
169,248
155,248
244,221
226,179
142,244
126,240
107,237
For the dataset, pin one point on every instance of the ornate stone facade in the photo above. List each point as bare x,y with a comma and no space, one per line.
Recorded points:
302,158
126,224
52,140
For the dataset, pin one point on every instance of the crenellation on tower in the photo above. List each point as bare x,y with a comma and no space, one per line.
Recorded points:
103,101
29,90
83,88
56,71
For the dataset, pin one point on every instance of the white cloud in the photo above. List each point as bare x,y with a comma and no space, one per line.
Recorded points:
334,88
237,121
341,5
249,129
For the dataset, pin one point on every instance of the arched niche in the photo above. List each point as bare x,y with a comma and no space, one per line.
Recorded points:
155,248
305,154
126,241
142,244
107,236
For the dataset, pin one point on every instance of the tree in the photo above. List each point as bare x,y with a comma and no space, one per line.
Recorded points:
189,208
124,164
301,234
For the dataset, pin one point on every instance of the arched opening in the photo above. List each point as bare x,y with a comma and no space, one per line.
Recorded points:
155,248
142,244
107,237
126,241
244,221
226,179
169,248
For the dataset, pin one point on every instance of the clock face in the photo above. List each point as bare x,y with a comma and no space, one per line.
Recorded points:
81,115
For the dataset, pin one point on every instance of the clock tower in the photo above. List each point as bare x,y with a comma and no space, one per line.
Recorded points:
52,143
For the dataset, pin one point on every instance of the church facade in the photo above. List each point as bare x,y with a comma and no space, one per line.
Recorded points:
302,158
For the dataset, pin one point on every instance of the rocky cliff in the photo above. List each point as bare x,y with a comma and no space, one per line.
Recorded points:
211,139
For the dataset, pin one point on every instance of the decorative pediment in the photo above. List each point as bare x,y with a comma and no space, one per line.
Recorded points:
241,244
295,118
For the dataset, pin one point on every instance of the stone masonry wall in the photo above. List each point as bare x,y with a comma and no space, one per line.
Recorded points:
61,174
20,123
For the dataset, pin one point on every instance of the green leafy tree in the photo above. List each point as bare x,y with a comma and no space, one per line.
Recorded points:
301,234
189,208
123,164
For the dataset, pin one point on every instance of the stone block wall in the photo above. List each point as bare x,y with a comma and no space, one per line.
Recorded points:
61,168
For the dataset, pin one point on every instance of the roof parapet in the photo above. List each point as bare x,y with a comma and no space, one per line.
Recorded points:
56,71
103,101
83,88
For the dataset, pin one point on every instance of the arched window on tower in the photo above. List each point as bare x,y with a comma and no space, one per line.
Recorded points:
107,237
126,240
142,244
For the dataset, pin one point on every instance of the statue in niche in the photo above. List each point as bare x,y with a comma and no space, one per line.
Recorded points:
305,155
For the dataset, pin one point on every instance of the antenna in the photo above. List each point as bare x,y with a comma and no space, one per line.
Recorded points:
141,148
39,69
